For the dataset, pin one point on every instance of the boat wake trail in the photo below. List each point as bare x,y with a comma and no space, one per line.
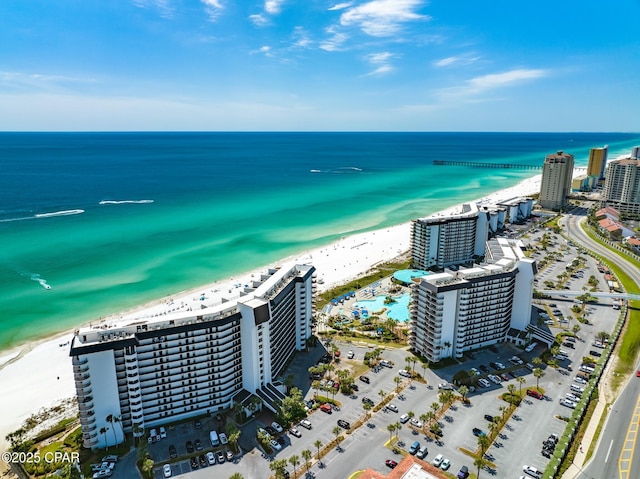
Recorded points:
125,202
341,170
36,277
59,213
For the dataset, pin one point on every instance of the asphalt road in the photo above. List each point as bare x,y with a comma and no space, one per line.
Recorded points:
616,455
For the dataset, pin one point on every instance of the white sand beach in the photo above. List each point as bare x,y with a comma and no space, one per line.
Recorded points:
38,375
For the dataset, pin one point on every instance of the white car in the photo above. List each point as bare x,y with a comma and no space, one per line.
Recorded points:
445,386
567,403
483,382
417,423
572,397
276,426
166,470
404,418
350,355
532,471
392,407
494,379
223,438
305,423
211,458
437,460
163,432
404,373
580,380
446,464
274,444
295,432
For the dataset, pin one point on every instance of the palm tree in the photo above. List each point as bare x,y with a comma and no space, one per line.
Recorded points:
367,407
435,406
411,414
318,445
136,430
382,394
103,430
521,381
424,418
237,475
430,416
391,428
512,389
306,455
147,466
279,467
294,460
425,365
397,380
483,443
110,420
480,463
538,373
502,410
576,329
316,386
447,345
336,430
463,390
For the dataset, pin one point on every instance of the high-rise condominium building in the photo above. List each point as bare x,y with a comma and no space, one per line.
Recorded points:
622,185
557,173
156,370
597,162
443,241
454,312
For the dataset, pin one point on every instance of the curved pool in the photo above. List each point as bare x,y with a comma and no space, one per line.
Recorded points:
398,310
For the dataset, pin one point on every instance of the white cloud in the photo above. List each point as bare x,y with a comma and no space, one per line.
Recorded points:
21,81
273,7
341,6
492,81
301,38
166,9
258,19
381,18
335,42
213,8
455,60
382,61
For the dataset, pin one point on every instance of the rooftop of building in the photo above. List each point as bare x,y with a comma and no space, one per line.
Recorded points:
208,307
410,467
559,156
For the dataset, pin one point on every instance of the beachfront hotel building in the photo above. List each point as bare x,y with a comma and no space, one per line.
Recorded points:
446,240
555,187
597,162
162,369
622,185
457,311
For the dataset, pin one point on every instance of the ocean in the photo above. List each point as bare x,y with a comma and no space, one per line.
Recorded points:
92,224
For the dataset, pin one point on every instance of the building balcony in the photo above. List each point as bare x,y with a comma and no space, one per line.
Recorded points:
84,384
81,368
86,407
81,376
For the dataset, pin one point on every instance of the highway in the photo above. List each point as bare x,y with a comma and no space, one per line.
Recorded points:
616,455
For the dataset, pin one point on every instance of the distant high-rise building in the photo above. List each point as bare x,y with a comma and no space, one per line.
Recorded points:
622,185
454,312
557,173
443,241
635,152
597,162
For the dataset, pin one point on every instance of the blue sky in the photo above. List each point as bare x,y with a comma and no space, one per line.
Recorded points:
381,65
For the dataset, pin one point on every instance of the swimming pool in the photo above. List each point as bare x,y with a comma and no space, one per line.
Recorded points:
398,310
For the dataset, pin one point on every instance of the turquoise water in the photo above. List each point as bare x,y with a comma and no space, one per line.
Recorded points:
398,310
152,214
406,275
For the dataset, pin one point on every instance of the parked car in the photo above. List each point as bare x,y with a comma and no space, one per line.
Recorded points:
275,445
488,417
344,424
390,463
173,452
422,452
326,407
211,458
567,403
534,394
305,423
203,460
166,470
483,368
483,383
446,464
365,379
276,426
295,431
194,462
404,418
463,473
414,447
392,407
198,444
350,355
223,438
437,460
445,386
367,400
416,423
478,432
189,446
404,373
532,471
220,457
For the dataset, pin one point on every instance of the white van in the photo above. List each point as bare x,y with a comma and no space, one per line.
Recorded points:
577,389
213,436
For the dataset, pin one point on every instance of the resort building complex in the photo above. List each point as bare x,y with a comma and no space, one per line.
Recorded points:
557,173
439,242
156,370
457,311
622,184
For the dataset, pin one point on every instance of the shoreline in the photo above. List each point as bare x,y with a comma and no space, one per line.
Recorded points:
21,368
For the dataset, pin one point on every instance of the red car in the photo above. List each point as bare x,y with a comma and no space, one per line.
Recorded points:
638,373
326,408
391,463
534,393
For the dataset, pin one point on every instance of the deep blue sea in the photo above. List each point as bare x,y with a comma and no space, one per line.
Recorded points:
108,221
